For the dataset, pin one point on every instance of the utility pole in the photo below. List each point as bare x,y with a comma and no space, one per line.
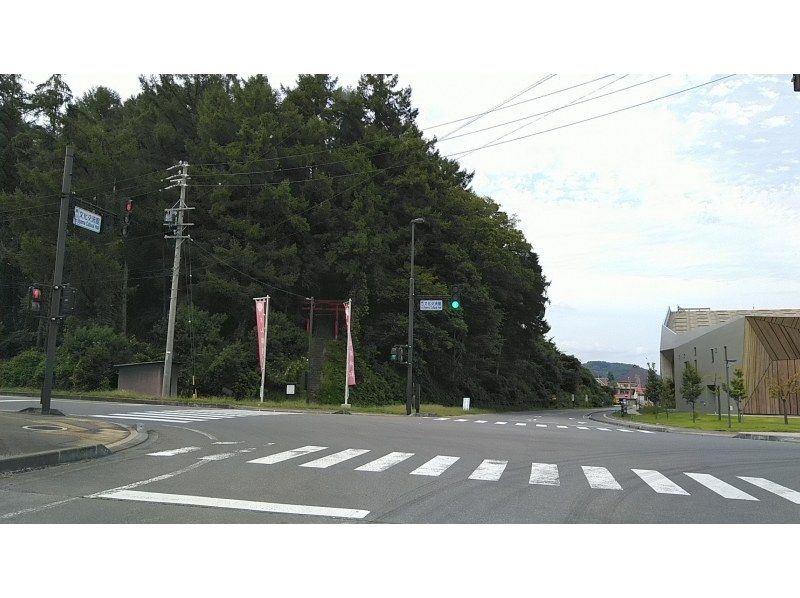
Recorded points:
310,334
58,274
410,358
174,217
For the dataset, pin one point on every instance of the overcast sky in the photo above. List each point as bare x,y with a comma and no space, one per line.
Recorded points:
689,200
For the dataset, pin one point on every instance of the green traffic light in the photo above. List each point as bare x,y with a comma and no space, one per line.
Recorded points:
455,304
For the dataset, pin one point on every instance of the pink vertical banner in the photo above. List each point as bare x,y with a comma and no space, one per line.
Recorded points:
262,321
351,368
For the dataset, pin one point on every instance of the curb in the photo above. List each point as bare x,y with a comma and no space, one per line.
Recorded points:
135,437
655,428
48,458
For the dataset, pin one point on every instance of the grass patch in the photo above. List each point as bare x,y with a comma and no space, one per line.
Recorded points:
706,421
297,404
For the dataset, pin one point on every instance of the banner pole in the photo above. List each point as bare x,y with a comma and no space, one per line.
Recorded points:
264,362
347,353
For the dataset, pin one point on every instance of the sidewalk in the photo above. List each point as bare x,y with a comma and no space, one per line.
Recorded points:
30,440
604,417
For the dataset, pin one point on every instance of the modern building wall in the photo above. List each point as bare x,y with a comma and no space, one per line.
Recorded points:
711,366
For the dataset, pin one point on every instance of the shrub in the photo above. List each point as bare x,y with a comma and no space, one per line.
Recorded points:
25,369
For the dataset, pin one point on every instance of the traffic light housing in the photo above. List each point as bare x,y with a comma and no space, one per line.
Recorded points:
398,354
68,294
796,81
35,299
455,300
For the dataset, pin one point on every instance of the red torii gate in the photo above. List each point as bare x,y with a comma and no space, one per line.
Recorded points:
326,307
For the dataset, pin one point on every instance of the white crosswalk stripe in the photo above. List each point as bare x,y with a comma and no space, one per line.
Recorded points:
336,458
490,470
541,425
605,429
286,455
520,424
385,462
722,488
436,466
659,482
185,416
502,423
562,427
545,474
600,477
582,427
624,430
173,452
462,420
480,421
782,491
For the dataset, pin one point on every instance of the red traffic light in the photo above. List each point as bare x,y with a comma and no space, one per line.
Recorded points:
36,294
129,205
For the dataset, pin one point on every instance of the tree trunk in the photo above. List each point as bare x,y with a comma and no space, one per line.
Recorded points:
693,416
785,415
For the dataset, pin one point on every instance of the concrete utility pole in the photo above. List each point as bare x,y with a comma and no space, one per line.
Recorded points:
179,180
310,336
410,358
58,274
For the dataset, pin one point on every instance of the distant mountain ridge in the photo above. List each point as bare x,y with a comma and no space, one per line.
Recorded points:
620,371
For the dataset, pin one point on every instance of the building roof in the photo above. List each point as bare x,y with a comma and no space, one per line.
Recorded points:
689,318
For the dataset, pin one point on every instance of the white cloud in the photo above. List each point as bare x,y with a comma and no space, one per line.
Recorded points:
775,121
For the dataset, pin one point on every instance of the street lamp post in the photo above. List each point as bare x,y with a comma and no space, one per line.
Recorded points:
410,358
728,382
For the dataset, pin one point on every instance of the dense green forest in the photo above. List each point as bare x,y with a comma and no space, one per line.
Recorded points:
298,192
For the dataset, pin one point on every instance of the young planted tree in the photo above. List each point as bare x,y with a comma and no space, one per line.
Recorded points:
737,391
691,387
652,390
782,390
667,394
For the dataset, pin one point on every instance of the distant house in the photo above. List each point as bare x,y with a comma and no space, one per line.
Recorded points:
630,390
602,381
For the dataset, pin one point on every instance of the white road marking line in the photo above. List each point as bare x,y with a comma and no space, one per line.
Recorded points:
600,477
646,431
623,430
206,434
436,466
659,482
582,427
562,427
724,489
520,424
227,503
441,419
543,425
237,442
158,478
217,457
173,452
335,458
490,470
572,418
500,423
150,419
385,462
581,422
36,509
782,491
605,429
480,421
278,457
545,474
461,420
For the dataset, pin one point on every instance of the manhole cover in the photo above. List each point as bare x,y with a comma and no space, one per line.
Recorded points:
43,427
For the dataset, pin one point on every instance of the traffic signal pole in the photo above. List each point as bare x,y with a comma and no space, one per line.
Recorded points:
58,275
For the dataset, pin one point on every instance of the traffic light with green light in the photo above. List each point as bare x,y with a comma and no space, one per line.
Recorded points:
455,300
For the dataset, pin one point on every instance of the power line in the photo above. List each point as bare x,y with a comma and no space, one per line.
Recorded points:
224,263
546,112
500,105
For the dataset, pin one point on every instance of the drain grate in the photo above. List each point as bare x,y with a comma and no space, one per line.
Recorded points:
43,427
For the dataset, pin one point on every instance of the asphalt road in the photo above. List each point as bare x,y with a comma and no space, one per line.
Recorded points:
231,466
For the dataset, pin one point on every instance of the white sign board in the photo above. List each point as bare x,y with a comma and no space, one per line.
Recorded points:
430,305
88,220
290,389
465,406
